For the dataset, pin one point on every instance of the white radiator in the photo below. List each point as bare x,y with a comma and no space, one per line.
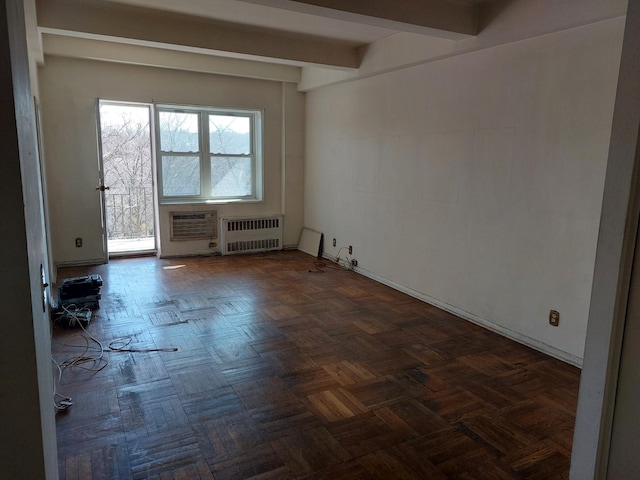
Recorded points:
193,225
246,235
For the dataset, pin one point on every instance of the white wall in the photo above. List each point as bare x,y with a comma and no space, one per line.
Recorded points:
475,181
69,89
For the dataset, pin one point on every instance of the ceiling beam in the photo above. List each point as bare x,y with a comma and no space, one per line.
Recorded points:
34,41
73,47
444,18
148,27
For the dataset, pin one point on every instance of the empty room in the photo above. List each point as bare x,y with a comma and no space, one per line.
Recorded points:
320,239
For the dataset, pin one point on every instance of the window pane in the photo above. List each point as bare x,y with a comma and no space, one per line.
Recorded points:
180,176
231,177
229,135
178,132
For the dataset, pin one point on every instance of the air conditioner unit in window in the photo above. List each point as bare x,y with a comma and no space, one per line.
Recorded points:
193,225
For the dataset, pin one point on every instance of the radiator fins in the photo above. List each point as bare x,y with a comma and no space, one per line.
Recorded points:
247,235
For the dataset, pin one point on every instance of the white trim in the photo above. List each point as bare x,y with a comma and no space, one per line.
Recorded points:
78,263
204,155
489,325
283,149
610,294
103,200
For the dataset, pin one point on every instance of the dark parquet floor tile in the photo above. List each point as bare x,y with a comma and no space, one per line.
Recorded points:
251,367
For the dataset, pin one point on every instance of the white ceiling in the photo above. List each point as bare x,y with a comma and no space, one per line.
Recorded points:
295,33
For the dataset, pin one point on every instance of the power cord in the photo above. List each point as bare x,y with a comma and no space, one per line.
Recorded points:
126,341
99,361
66,402
86,360
319,265
346,266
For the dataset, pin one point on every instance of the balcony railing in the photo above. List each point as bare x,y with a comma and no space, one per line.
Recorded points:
129,213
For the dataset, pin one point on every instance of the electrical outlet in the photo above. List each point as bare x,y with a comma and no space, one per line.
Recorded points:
334,242
354,263
350,249
554,318
78,242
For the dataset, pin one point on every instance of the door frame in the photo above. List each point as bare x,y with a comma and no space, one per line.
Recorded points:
103,203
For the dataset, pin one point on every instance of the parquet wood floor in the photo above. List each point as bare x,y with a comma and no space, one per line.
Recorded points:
281,373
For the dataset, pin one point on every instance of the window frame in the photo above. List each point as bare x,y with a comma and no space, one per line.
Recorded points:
206,157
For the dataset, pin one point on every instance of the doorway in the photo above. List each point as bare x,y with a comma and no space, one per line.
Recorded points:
127,178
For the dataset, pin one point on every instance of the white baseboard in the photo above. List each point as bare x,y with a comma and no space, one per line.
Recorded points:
489,325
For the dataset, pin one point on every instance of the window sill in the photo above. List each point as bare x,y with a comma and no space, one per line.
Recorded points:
226,201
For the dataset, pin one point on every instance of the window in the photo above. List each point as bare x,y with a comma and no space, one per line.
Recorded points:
209,154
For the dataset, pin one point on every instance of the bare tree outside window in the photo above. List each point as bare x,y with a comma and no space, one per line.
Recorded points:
207,153
180,147
230,135
127,170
